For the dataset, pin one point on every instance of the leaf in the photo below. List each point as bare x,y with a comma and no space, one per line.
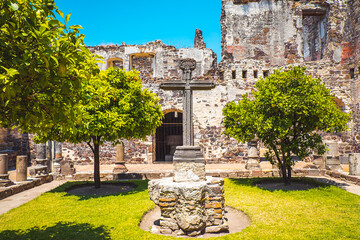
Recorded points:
60,13
68,17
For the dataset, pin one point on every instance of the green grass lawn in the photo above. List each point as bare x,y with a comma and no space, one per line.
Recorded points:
320,213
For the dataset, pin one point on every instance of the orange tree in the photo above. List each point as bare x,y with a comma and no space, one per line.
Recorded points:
114,106
42,64
288,109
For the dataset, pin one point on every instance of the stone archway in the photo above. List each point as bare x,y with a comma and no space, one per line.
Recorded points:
168,136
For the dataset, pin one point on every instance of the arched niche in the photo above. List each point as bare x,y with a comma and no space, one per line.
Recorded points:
115,63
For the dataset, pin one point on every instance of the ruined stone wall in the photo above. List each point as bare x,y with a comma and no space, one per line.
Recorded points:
156,63
258,36
321,35
13,143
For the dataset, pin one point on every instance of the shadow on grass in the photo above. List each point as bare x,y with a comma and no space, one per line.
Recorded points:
59,231
276,184
137,187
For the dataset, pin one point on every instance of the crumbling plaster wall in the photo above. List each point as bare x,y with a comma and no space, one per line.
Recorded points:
269,34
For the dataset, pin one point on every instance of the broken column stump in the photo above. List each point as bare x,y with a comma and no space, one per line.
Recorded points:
120,162
332,156
57,158
4,175
253,160
41,167
21,168
354,164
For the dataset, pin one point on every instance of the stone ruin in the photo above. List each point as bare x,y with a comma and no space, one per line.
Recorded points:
190,202
257,36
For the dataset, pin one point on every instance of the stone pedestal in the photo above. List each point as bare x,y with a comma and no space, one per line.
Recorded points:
4,166
189,164
21,168
190,202
41,167
332,156
57,157
190,208
354,164
120,162
253,161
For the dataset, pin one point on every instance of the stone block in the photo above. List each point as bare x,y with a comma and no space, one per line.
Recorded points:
213,205
189,164
354,164
169,223
219,228
165,204
165,231
21,168
67,168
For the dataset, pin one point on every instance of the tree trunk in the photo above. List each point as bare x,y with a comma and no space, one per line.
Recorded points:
96,164
285,174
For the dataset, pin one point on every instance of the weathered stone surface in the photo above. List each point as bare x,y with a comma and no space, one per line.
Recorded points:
190,206
40,150
332,160
4,176
120,162
21,168
354,166
253,159
189,164
67,168
198,41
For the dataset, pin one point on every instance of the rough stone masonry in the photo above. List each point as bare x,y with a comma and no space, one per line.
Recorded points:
258,36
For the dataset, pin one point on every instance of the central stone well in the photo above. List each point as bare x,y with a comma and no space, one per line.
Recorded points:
190,203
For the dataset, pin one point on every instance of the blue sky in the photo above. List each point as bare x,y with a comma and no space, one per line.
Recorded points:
142,21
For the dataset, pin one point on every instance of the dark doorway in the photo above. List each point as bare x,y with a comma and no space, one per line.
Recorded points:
168,136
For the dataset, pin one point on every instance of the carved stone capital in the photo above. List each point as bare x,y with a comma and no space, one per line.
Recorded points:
187,64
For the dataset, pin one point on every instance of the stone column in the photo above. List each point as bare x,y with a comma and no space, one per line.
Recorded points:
253,161
354,164
41,166
4,166
21,168
332,156
58,157
120,162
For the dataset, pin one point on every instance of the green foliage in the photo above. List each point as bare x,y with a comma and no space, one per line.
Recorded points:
320,213
114,106
288,109
42,63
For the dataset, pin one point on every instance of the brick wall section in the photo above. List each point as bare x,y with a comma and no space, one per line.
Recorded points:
13,143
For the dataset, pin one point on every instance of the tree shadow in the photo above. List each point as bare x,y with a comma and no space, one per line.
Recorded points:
60,231
135,186
329,182
276,184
